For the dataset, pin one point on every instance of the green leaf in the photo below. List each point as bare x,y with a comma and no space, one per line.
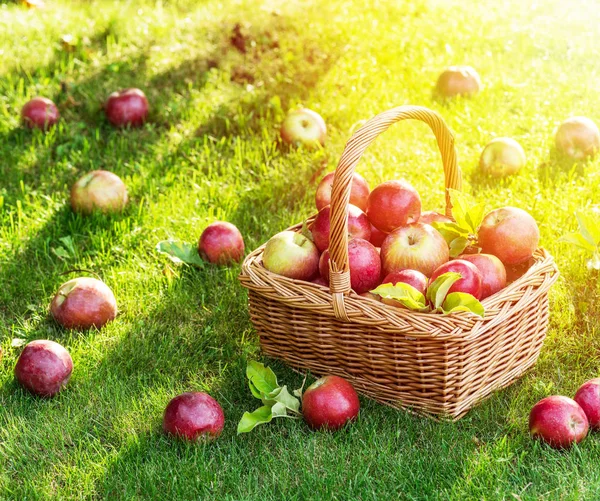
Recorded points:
298,392
180,252
279,410
467,214
254,391
283,396
263,378
437,291
589,227
405,294
461,301
578,240
458,245
250,420
450,231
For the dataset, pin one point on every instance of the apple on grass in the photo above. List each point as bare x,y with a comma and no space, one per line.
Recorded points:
416,246
44,367
292,255
588,398
558,421
221,243
458,81
359,191
493,272
126,107
329,403
304,127
501,157
99,190
82,303
40,112
194,416
393,204
578,138
358,226
470,281
510,234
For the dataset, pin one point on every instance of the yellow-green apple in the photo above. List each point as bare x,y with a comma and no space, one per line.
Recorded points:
393,204
82,303
470,281
292,255
99,190
305,127
493,272
559,421
588,398
359,191
358,226
221,243
431,216
44,367
458,81
416,246
578,138
501,157
40,112
510,234
329,403
410,277
377,236
364,264
194,416
126,107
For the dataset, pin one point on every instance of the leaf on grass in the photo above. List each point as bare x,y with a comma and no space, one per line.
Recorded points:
283,396
461,301
263,378
250,420
438,290
180,252
578,240
405,294
589,227
458,245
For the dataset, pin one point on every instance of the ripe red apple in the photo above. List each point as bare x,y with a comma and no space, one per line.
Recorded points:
588,398
44,367
431,216
126,107
320,281
40,112
292,255
193,416
99,190
558,421
358,226
221,243
458,81
393,204
578,138
329,403
359,191
377,236
510,234
471,281
493,272
501,157
305,127
364,264
410,277
82,303
416,246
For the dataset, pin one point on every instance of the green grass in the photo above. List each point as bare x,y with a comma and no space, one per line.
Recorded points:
210,152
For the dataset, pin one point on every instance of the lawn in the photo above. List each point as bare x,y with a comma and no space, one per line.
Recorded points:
210,151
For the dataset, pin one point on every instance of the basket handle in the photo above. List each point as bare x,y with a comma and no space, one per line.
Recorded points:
339,274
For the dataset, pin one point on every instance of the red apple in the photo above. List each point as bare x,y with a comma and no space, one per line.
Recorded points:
221,243
471,281
364,264
194,416
320,281
329,403
510,234
377,237
578,138
588,398
501,157
359,191
292,255
358,226
82,303
305,127
558,421
393,204
458,81
99,190
431,216
417,246
493,272
126,107
410,277
40,112
44,367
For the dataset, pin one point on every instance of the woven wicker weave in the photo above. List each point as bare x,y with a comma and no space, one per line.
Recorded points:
432,364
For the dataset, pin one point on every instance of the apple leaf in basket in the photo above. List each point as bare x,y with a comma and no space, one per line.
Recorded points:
405,294
467,214
180,252
438,290
461,301
458,245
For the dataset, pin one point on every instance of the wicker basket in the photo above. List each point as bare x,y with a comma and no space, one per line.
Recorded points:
432,364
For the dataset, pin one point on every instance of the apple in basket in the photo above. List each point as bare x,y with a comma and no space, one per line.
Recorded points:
558,421
393,204
431,216
127,107
501,157
470,281
458,81
377,236
292,255
40,112
493,272
578,138
510,234
194,416
410,277
44,367
99,190
364,264
329,403
359,191
358,226
304,127
416,246
588,397
221,243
